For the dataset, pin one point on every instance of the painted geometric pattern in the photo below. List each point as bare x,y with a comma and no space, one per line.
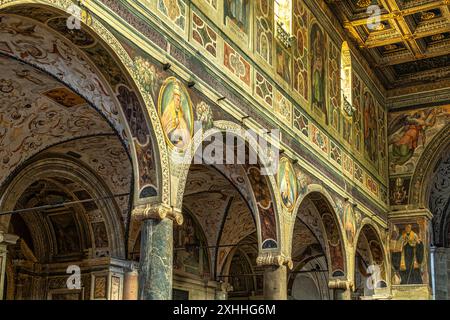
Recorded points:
236,64
264,89
175,11
300,27
283,108
204,35
301,123
264,29
319,139
336,153
212,3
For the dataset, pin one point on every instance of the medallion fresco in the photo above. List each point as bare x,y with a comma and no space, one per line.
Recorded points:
349,221
175,110
287,182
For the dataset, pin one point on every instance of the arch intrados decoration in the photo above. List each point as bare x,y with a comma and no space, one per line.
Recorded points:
63,167
119,55
336,249
226,266
371,234
269,183
419,187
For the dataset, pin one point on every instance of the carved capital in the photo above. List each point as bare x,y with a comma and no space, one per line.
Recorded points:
157,212
225,287
269,259
341,284
6,238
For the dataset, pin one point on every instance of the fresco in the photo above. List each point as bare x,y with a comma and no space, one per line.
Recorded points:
370,128
237,14
300,27
318,65
283,64
265,207
287,184
175,10
409,134
190,255
264,27
175,110
349,220
356,104
407,254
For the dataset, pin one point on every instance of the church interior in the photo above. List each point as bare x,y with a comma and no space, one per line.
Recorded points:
225,150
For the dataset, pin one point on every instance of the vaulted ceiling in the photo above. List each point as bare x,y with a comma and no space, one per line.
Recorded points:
409,45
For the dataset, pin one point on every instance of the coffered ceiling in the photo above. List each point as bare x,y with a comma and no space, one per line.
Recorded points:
409,45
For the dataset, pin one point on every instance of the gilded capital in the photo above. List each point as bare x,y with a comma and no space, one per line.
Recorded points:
157,212
270,259
341,284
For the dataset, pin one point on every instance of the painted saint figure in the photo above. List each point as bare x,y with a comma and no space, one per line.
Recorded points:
407,257
174,119
370,128
237,11
318,70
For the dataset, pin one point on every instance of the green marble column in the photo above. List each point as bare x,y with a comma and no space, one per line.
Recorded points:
156,260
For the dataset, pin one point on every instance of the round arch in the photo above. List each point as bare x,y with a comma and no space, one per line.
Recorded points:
66,168
268,185
378,256
143,102
432,155
331,229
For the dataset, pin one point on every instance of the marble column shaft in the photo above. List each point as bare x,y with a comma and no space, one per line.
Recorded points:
131,285
155,274
275,283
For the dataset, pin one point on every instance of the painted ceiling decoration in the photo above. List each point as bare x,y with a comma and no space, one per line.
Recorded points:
83,63
410,43
220,209
32,119
105,156
63,233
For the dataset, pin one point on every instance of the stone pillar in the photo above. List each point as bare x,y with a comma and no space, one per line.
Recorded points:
410,279
275,283
156,258
441,281
131,284
342,289
275,275
5,239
